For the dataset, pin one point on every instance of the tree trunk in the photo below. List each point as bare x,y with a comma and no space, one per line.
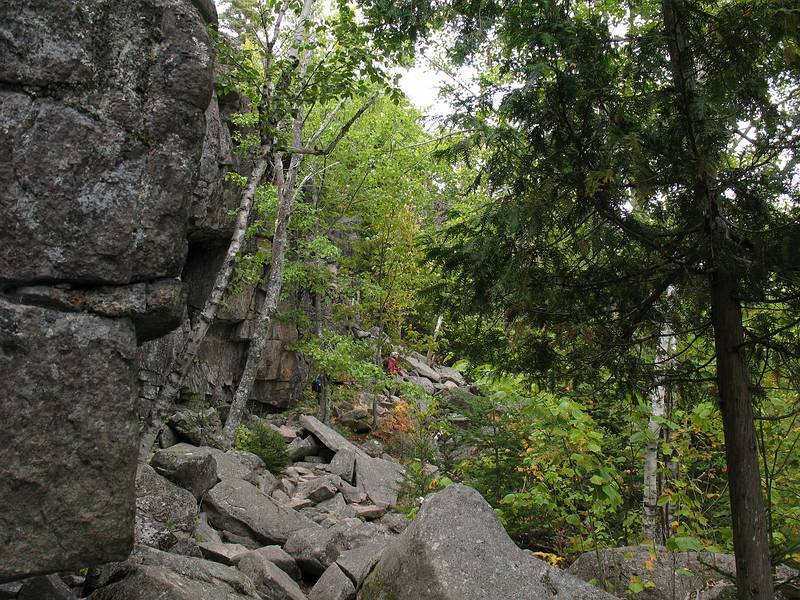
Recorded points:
323,388
273,288
750,542
182,363
654,525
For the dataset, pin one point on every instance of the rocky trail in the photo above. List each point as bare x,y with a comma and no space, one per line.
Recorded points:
217,525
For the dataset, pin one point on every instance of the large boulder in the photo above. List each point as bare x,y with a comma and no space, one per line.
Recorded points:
188,467
663,574
317,549
241,508
379,478
333,585
272,582
163,510
68,455
152,574
457,549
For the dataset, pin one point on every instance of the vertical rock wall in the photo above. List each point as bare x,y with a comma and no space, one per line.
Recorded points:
102,124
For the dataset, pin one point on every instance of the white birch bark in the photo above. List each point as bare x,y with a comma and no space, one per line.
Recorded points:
654,527
185,357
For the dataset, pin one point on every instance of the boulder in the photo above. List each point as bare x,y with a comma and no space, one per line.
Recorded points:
237,464
242,540
318,488
394,522
424,383
302,447
203,532
369,512
45,587
457,549
329,437
287,433
152,574
316,549
9,591
358,562
666,575
272,583
356,419
352,493
337,506
417,364
227,554
241,508
343,465
333,585
198,427
188,467
373,448
379,478
457,399
162,510
281,559
450,374
70,431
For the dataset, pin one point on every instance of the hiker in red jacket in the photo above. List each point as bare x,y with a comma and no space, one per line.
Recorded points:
393,366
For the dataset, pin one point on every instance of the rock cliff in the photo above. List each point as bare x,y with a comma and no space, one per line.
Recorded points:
102,125
115,212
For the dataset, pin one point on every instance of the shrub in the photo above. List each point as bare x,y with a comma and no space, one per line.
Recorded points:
266,443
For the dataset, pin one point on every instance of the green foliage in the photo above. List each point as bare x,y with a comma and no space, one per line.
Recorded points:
266,443
342,358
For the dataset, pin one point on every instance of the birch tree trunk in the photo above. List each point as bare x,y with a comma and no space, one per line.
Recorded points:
285,184
654,525
273,291
185,357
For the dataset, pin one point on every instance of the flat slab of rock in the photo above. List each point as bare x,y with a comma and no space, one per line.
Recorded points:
271,582
166,576
227,554
281,559
187,466
422,369
333,585
330,438
457,549
241,508
449,374
379,479
162,509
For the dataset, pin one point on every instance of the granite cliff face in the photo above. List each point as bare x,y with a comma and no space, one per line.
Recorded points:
102,126
115,217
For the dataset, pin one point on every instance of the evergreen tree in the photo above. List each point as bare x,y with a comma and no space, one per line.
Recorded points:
627,149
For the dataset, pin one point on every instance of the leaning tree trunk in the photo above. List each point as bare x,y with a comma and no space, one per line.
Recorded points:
654,525
750,542
273,289
185,357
